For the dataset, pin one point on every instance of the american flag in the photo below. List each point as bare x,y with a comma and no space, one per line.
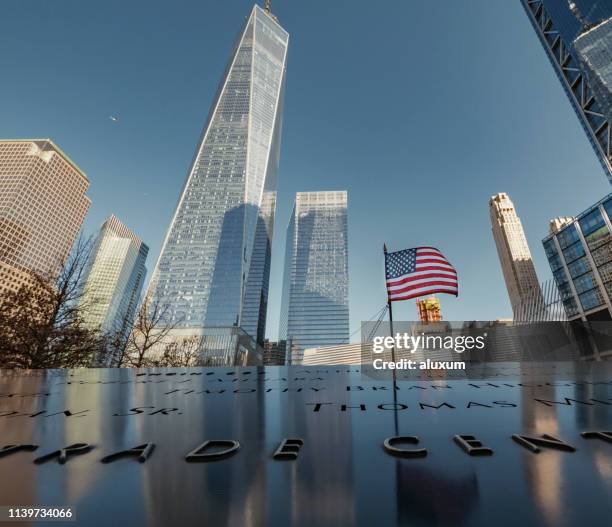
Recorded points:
418,272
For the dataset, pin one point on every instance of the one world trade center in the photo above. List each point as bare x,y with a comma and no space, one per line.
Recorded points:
214,266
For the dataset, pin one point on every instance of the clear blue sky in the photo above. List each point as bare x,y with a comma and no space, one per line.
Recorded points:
421,110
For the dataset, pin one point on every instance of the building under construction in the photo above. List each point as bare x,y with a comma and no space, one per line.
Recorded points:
429,310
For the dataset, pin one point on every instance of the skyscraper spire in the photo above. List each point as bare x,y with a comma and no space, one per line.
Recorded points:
268,9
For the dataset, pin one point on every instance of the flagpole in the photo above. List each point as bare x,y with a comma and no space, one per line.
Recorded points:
390,311
392,348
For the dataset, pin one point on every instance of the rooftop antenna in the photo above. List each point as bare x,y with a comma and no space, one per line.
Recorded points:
586,25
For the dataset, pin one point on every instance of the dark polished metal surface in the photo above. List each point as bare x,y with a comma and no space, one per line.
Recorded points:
342,475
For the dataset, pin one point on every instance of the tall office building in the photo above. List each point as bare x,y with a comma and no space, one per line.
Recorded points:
214,266
42,207
577,37
314,307
514,255
580,257
115,276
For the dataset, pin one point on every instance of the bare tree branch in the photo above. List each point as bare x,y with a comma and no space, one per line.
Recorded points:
42,323
183,353
148,335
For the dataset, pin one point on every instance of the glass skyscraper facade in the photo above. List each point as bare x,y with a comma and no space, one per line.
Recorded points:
214,266
577,37
314,307
580,256
115,276
594,49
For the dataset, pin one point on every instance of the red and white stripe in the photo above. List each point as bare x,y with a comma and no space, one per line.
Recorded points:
434,274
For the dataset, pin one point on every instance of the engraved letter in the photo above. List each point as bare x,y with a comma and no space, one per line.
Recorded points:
63,454
141,451
288,449
472,445
390,447
200,454
532,443
11,449
604,436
